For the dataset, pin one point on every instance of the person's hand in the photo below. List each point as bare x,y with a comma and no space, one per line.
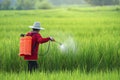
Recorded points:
52,39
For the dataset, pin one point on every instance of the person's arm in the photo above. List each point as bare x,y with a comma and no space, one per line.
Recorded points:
42,40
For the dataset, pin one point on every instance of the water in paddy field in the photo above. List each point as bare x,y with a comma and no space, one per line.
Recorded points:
68,46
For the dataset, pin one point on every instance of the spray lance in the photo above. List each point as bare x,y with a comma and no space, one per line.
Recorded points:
59,43
55,41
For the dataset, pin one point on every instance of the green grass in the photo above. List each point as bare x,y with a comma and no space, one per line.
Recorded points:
96,34
62,75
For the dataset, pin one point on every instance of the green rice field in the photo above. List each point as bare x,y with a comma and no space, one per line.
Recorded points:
91,36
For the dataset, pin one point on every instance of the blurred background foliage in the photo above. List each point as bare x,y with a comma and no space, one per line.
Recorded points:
48,4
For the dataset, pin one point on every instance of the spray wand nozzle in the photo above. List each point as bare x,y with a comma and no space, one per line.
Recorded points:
58,42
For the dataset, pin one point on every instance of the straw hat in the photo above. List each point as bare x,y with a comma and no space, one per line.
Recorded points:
36,25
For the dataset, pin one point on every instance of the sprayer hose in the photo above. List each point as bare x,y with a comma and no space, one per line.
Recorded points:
46,52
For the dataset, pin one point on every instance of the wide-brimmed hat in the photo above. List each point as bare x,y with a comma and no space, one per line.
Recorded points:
36,25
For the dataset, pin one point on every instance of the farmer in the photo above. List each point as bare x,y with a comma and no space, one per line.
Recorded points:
36,40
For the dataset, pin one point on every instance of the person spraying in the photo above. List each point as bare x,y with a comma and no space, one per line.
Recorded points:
36,39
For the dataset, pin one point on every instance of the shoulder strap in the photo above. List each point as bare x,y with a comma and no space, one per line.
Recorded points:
34,45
